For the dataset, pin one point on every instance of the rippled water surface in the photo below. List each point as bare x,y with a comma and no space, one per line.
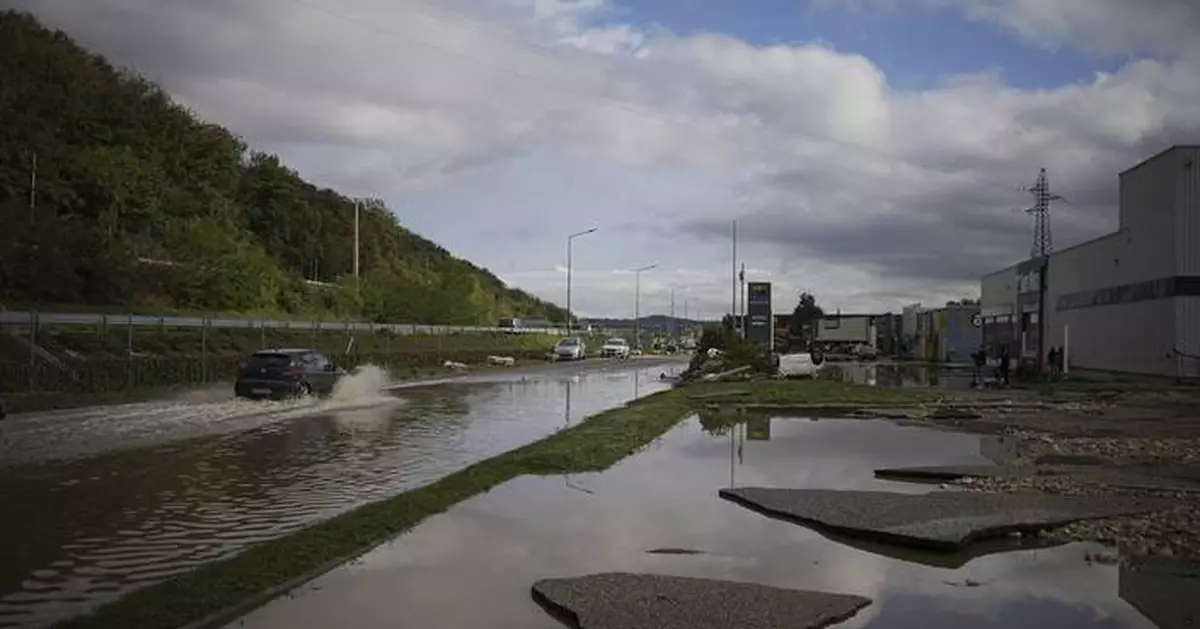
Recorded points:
490,549
88,529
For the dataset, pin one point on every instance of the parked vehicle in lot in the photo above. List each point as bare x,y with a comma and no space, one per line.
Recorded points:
615,348
284,373
570,348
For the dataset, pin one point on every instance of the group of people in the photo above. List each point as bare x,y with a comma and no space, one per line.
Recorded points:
1054,363
980,357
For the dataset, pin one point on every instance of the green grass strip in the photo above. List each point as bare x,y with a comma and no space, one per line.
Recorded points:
217,593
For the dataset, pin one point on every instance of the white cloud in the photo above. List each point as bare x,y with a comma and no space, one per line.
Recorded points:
497,129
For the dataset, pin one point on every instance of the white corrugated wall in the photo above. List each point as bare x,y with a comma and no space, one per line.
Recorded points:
1187,255
1187,211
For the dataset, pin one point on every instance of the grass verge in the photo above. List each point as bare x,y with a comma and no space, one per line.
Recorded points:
221,591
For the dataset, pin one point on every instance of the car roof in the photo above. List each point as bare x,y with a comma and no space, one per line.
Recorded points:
285,350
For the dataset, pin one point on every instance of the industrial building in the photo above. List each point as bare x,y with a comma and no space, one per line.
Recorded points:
949,334
1125,302
840,329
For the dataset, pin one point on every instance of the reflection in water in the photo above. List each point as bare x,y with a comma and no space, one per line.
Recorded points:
489,549
897,375
89,530
1165,590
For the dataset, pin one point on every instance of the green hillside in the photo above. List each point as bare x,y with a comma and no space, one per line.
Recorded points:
141,205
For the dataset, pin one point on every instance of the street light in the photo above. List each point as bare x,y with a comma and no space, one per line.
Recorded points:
570,239
637,304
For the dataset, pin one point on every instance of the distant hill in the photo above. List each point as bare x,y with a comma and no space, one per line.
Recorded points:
653,323
138,203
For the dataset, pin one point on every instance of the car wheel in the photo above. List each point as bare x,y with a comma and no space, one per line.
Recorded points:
304,390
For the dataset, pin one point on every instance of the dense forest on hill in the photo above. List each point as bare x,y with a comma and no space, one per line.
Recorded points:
140,204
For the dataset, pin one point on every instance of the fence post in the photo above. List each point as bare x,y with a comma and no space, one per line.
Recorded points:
33,324
204,350
129,354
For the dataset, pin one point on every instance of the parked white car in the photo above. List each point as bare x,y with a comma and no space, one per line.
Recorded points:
570,348
615,348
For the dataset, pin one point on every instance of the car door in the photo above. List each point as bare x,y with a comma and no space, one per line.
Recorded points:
323,376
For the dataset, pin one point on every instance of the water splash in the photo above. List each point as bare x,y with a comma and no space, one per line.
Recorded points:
365,384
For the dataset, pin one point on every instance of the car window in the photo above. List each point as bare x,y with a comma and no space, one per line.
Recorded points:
616,341
568,342
319,360
269,360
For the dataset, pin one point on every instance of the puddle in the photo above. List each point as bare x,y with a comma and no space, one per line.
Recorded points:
900,375
89,530
473,566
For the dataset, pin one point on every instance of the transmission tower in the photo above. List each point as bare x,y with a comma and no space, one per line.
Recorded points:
1042,245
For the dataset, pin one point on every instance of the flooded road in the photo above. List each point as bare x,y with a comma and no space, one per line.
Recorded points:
473,565
91,528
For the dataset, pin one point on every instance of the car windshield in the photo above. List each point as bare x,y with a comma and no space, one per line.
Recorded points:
615,342
572,342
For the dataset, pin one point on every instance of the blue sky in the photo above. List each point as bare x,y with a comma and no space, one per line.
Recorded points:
916,47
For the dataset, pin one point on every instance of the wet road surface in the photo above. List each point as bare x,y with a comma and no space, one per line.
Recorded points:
473,565
91,528
213,410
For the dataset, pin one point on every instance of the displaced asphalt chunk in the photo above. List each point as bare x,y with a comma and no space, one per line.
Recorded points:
618,600
941,520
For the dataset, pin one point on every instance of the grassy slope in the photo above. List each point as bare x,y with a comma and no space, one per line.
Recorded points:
593,445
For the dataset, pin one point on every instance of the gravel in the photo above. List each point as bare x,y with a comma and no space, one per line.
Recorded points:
1166,468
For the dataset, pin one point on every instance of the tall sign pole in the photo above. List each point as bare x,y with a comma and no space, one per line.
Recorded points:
733,281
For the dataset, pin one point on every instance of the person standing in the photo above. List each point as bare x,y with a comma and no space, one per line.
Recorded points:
1002,371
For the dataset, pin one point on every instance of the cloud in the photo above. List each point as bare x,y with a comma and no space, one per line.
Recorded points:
497,128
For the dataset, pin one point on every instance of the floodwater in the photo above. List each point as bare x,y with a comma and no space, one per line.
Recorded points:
88,529
473,565
897,375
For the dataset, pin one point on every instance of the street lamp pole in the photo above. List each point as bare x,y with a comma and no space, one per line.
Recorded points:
637,304
570,239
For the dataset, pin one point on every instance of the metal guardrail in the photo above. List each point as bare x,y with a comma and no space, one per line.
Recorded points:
33,318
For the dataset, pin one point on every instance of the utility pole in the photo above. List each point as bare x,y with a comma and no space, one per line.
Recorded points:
356,257
674,322
1040,251
1042,244
637,304
570,239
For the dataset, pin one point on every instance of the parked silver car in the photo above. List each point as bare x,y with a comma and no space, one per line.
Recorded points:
570,348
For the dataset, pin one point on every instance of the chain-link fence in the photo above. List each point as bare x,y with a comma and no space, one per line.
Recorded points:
106,357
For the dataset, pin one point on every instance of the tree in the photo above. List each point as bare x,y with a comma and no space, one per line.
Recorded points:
138,202
804,318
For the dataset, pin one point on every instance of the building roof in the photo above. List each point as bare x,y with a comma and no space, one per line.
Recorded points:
1159,155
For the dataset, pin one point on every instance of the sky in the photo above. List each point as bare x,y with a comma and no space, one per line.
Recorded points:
876,153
